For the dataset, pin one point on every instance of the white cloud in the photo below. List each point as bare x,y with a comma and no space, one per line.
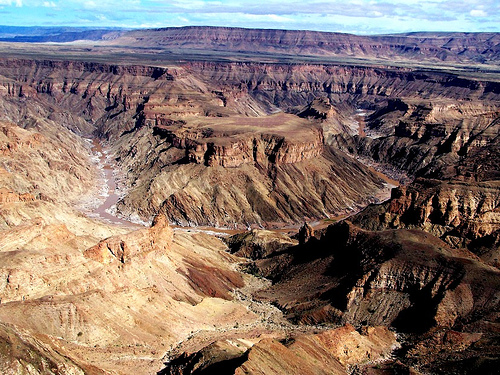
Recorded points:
478,13
17,3
355,16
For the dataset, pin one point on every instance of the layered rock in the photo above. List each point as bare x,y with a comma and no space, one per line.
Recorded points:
209,144
88,320
443,298
207,111
135,244
10,196
414,47
455,211
44,162
252,193
399,277
431,138
329,352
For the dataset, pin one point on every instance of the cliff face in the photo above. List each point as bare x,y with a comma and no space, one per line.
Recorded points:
462,214
218,115
420,47
434,138
210,144
255,190
397,278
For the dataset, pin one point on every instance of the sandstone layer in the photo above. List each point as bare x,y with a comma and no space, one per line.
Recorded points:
244,144
480,47
331,352
405,279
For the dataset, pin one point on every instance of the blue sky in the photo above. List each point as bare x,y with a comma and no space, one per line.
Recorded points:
352,16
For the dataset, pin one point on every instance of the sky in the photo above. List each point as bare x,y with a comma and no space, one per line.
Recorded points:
350,16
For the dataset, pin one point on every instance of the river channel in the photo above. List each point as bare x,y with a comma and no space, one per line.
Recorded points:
110,193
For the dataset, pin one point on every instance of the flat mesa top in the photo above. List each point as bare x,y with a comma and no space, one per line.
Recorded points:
227,129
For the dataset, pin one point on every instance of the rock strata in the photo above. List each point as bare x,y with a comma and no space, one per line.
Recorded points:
331,352
389,277
135,244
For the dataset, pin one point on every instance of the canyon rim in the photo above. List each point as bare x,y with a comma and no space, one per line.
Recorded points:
204,200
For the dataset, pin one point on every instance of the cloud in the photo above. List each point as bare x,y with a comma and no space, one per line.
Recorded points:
478,13
353,16
90,4
17,3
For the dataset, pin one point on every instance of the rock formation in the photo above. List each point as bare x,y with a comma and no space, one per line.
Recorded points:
246,141
258,244
478,47
462,214
329,352
135,244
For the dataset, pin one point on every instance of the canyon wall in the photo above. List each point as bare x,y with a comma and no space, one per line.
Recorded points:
244,145
208,114
461,47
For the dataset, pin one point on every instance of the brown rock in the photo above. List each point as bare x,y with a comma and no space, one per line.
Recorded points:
124,248
305,232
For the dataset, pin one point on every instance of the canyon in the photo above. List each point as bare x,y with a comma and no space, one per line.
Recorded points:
270,202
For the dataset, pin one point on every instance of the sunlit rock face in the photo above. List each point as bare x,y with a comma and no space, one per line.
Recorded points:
409,284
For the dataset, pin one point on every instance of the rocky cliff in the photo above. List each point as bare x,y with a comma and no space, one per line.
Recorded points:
373,278
219,115
244,144
407,279
461,214
477,47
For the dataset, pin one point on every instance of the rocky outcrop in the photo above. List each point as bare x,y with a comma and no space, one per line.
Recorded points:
258,244
460,213
399,278
305,233
444,299
124,248
330,352
66,313
212,148
10,196
250,144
